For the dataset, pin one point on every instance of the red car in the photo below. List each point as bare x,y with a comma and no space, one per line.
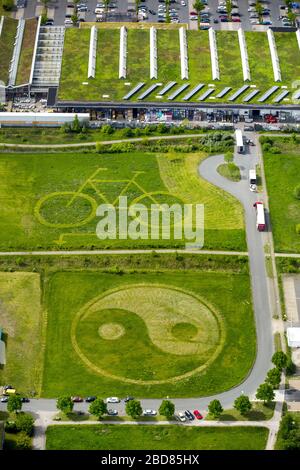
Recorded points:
77,399
235,20
198,414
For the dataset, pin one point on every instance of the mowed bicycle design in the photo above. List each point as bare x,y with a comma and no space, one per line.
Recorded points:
74,209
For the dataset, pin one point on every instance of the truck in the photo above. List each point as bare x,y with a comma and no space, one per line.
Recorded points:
252,180
239,140
260,216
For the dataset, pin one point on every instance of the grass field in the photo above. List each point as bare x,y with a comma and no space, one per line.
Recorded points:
107,86
6,47
25,61
39,209
128,437
282,175
170,339
259,412
21,320
229,172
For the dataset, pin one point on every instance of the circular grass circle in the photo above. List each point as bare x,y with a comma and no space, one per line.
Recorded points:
148,351
111,331
65,209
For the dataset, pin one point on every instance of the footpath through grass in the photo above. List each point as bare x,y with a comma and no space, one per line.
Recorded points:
282,174
163,437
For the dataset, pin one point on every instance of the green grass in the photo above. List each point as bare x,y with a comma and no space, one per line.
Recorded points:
259,412
282,175
199,56
21,320
230,172
260,60
7,40
129,437
30,218
230,65
168,52
26,55
107,82
95,356
289,57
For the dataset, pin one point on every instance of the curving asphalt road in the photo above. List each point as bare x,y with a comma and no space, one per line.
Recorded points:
260,290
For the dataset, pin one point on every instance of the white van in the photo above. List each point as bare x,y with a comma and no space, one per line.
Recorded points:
252,180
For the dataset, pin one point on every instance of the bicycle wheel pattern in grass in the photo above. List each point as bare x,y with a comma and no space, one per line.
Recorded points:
166,334
65,209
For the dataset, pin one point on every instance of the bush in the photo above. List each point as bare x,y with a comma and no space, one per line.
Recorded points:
8,5
23,442
266,147
297,191
11,427
25,423
275,150
107,129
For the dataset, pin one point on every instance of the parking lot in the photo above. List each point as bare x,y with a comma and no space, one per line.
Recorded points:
153,11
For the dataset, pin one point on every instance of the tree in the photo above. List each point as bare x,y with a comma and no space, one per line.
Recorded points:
74,19
167,409
198,6
273,377
98,408
65,404
279,359
14,404
137,4
23,442
228,157
265,393
242,404
215,408
25,423
76,126
134,408
106,5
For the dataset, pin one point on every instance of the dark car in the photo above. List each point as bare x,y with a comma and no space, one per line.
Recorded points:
189,415
128,399
25,400
90,399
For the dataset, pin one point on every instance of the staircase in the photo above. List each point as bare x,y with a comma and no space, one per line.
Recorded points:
49,53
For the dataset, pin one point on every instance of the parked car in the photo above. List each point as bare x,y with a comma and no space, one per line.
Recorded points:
181,416
76,399
198,414
126,399
111,412
90,399
4,399
189,415
149,412
25,400
113,400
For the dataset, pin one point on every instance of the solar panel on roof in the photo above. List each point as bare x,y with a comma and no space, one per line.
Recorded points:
250,95
178,91
223,92
166,88
238,93
281,96
148,91
297,95
193,92
268,93
133,91
206,94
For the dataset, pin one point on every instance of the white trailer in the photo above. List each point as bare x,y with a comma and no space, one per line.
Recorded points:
260,216
252,180
239,140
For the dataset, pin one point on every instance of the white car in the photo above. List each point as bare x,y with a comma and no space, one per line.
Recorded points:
253,187
68,21
149,412
181,416
182,3
113,400
111,412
